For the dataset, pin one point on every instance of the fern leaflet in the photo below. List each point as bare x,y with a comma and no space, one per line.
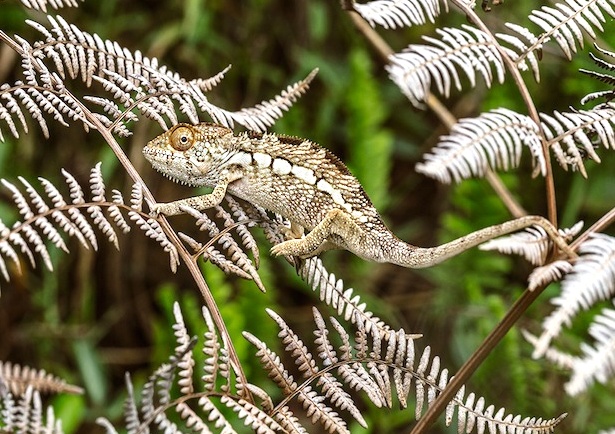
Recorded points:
469,49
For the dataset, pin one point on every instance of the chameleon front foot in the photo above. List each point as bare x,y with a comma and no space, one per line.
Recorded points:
295,247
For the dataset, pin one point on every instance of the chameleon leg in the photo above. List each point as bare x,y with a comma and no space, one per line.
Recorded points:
197,202
335,222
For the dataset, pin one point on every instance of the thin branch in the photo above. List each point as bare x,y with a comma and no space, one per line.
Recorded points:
599,226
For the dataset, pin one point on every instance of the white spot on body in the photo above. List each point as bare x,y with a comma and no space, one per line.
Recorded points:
281,166
241,158
262,160
325,187
304,174
359,216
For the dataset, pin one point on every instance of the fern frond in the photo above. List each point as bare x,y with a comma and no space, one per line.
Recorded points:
566,22
532,243
597,363
215,367
153,230
494,140
234,260
26,415
392,14
252,416
580,132
468,49
18,378
41,5
333,293
542,276
133,80
592,279
47,217
36,100
378,353
186,363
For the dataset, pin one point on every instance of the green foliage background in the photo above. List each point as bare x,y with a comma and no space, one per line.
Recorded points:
100,315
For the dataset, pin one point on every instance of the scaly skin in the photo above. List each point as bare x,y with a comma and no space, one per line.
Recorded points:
304,183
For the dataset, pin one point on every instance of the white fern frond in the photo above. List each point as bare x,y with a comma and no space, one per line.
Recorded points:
17,379
27,414
184,342
592,279
392,14
230,256
252,416
41,5
573,136
607,78
332,292
47,218
542,276
566,22
384,357
533,243
558,358
134,81
494,140
467,49
597,362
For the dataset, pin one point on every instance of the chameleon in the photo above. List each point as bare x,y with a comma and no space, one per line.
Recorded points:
305,183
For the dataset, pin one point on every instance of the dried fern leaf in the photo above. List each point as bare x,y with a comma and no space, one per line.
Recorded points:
234,260
184,342
532,243
468,49
378,353
211,350
153,230
284,416
353,373
26,415
573,136
19,378
333,293
47,217
609,79
542,276
133,80
553,355
41,5
597,361
592,279
392,14
37,100
494,140
252,416
567,22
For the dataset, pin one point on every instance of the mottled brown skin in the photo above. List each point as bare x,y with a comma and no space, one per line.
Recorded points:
304,183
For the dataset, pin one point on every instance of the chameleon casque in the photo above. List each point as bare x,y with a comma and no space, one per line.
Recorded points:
304,183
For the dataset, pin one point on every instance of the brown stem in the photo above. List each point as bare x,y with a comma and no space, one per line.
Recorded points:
599,226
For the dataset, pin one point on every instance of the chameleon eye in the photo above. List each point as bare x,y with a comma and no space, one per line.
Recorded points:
182,138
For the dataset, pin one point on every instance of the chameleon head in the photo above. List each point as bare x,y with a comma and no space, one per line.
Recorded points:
185,152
